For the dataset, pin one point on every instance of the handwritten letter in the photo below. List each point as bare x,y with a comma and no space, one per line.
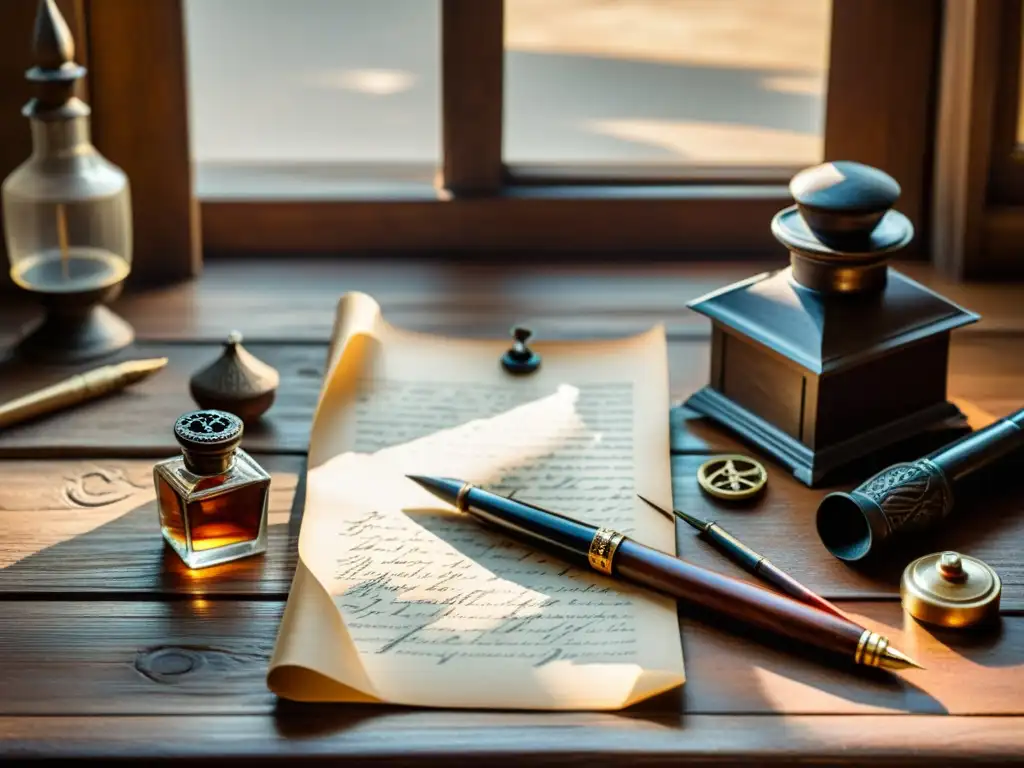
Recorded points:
436,608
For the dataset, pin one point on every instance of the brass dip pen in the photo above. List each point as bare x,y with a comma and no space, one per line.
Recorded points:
749,560
77,389
611,553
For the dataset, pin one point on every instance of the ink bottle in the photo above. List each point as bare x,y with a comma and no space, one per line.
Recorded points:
213,497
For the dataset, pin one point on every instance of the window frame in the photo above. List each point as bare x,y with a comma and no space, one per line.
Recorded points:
978,195
881,83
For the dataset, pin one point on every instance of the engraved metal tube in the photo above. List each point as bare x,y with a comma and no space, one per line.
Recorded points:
910,497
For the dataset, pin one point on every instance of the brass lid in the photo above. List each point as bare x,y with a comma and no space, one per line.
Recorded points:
950,589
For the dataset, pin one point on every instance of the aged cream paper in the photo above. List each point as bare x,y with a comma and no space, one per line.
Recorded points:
399,599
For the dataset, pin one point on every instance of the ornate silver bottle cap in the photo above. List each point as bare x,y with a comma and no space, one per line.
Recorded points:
208,440
950,589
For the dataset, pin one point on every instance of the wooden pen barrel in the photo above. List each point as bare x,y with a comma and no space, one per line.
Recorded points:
736,599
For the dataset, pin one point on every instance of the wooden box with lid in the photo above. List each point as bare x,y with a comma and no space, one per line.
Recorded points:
837,356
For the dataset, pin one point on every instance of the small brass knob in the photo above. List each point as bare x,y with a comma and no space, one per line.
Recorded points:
950,589
951,567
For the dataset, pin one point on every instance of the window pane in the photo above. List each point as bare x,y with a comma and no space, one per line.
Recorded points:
294,81
694,82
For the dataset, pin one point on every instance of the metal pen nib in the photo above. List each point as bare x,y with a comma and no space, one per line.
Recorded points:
696,522
751,561
893,659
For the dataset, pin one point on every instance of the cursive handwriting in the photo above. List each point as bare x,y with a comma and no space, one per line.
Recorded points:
435,584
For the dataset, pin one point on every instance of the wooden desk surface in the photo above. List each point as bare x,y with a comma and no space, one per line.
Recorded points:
110,648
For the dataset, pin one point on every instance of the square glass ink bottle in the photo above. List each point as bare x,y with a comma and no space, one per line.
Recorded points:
213,497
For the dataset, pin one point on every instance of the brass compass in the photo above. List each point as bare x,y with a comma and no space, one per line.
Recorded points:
732,477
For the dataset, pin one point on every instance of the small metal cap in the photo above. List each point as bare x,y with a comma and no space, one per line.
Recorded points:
208,440
520,358
950,589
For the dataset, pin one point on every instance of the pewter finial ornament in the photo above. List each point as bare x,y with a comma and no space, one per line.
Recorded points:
237,382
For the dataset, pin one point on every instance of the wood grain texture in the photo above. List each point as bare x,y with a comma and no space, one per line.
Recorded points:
984,370
880,80
472,94
91,528
295,299
109,648
140,122
987,523
137,421
209,656
395,737
676,222
970,56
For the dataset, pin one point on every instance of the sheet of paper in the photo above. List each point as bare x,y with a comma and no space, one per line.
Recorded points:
399,598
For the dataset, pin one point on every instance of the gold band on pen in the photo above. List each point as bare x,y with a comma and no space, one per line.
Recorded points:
461,503
602,550
870,649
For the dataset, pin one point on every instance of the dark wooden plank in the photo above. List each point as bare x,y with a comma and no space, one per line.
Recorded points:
472,94
140,122
91,527
879,109
987,523
1006,176
970,73
137,421
85,527
295,299
208,656
677,221
985,373
390,737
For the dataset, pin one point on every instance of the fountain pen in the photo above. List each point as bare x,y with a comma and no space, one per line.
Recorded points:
611,553
748,559
78,389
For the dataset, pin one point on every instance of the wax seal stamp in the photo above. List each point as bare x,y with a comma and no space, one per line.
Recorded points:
520,358
237,382
732,477
950,589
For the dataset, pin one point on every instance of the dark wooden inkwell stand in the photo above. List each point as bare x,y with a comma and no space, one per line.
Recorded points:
837,357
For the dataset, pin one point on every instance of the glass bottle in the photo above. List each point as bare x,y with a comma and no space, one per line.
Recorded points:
67,210
213,497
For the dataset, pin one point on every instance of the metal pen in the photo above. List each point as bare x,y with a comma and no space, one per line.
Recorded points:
77,389
614,554
749,560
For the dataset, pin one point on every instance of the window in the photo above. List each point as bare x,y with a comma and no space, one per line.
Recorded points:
628,127
682,84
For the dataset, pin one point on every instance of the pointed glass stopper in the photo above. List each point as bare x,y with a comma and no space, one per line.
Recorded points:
55,71
52,43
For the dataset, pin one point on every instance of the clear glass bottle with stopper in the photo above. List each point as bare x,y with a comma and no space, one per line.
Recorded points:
213,496
67,211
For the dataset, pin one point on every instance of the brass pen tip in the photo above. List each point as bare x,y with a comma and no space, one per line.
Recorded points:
893,659
136,370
